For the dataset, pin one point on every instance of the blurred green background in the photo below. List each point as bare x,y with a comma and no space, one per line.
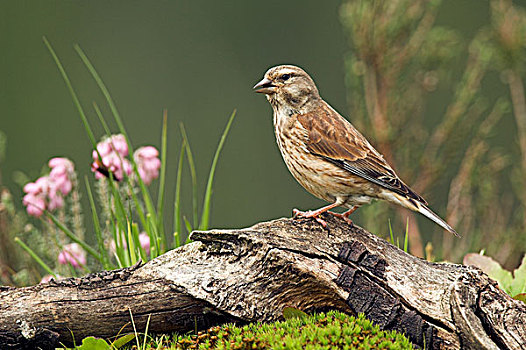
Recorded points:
199,60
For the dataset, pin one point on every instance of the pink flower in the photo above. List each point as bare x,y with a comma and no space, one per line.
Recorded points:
47,192
118,143
35,199
35,204
144,239
61,162
148,163
114,143
72,254
55,201
41,185
112,151
61,173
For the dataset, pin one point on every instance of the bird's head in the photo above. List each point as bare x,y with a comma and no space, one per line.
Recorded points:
288,86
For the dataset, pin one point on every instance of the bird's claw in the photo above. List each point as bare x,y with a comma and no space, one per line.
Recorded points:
309,214
344,217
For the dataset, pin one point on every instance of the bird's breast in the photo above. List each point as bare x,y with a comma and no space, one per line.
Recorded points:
301,164
318,176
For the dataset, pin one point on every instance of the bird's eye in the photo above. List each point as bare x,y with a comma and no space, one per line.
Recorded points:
285,77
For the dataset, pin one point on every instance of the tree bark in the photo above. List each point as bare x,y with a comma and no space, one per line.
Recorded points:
245,275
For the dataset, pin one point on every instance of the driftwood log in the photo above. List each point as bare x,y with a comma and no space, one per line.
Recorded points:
251,274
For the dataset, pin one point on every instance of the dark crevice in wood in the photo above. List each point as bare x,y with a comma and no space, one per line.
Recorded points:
487,327
384,309
376,267
307,254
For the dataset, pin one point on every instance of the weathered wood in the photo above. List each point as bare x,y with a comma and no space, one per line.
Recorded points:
252,274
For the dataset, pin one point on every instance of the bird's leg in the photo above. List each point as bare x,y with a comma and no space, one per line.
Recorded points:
345,216
315,214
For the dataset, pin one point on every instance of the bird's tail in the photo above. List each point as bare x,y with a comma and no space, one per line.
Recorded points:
422,209
417,205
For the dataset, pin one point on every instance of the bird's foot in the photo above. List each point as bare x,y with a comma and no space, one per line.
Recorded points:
309,214
342,216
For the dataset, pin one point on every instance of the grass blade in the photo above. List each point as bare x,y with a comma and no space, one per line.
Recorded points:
155,248
104,91
119,244
205,215
189,228
101,119
137,241
134,329
177,203
133,241
146,332
406,238
391,231
191,164
120,213
76,100
138,206
162,178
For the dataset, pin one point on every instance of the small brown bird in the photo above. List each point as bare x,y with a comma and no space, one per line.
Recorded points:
326,154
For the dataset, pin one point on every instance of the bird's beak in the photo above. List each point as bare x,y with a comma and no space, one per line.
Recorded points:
265,86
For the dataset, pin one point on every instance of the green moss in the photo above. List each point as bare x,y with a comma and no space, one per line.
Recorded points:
332,330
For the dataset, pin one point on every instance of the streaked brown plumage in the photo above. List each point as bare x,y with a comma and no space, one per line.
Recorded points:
326,154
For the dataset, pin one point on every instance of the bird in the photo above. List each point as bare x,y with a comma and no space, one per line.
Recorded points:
327,155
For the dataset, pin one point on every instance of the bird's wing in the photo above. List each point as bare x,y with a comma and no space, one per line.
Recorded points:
333,138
